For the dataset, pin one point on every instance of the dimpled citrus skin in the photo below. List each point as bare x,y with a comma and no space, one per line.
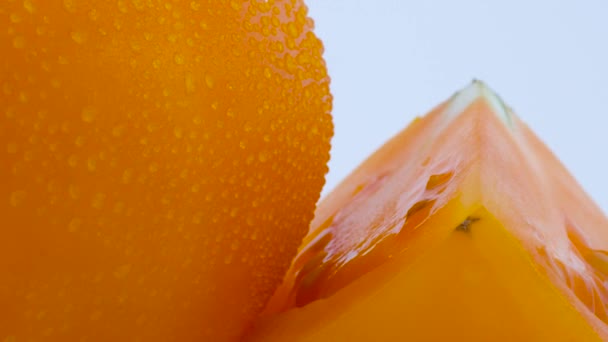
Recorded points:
159,164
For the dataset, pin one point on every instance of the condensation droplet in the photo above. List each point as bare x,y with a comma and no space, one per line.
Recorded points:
79,37
178,132
122,6
138,4
209,81
9,113
195,5
74,191
95,316
22,97
197,218
235,245
190,86
79,141
19,42
48,332
140,320
62,60
93,15
263,156
117,131
98,200
234,212
172,38
69,6
88,114
91,164
152,127
267,72
72,160
178,59
11,148
15,18
74,225
119,207
28,156
122,271
29,6
236,5
17,197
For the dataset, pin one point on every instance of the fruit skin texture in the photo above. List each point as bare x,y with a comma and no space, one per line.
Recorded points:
159,164
462,227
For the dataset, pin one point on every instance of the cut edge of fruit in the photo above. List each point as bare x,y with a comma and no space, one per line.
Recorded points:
476,90
497,242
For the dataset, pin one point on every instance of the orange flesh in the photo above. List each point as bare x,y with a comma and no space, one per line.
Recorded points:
469,285
159,164
385,252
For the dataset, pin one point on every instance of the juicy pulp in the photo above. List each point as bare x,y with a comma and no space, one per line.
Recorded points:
462,226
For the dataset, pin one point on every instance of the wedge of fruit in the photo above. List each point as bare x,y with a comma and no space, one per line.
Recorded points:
464,227
159,164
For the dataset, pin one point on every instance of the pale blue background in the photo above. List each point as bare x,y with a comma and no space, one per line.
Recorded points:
392,60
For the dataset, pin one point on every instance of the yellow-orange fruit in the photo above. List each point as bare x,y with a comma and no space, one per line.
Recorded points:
159,164
463,227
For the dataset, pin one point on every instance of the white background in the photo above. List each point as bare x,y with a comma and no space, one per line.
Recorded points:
391,60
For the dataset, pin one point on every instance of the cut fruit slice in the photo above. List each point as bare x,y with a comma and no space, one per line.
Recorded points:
463,226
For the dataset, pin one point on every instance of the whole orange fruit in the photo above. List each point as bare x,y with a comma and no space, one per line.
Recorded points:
159,164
